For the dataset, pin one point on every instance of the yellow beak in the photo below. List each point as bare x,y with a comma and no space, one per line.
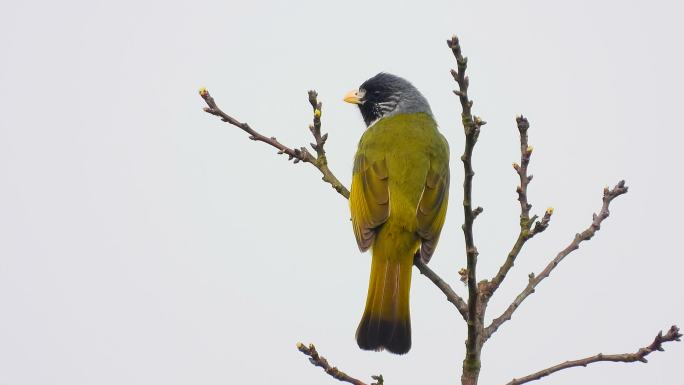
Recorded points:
352,97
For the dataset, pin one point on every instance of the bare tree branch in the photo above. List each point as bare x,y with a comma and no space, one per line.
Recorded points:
608,196
320,361
298,154
471,127
672,335
526,223
443,286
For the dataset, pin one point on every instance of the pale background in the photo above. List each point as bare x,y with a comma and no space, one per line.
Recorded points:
143,241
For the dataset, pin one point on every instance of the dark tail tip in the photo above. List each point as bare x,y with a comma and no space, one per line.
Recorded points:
378,334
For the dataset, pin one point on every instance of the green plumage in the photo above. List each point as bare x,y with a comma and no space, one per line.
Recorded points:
398,204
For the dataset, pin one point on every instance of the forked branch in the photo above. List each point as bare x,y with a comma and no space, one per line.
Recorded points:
529,227
297,154
587,234
640,356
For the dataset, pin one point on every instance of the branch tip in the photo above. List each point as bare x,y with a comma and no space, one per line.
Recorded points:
640,356
320,361
478,210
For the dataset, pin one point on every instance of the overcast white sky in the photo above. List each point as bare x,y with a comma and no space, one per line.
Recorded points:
143,241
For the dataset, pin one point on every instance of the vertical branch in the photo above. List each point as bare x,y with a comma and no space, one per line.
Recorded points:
525,154
321,161
527,231
471,127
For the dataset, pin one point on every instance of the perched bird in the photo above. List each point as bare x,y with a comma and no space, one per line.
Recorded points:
398,201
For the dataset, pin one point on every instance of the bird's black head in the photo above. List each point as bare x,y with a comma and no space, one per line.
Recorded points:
386,94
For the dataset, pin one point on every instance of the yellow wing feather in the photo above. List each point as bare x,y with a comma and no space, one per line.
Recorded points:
369,199
431,211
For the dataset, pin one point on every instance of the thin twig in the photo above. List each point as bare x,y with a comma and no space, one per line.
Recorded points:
526,223
640,356
298,154
471,127
320,361
451,295
608,196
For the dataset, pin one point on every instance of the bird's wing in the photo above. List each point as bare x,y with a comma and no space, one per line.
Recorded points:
369,198
432,208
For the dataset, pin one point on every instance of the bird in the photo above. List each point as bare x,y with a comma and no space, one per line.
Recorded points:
398,201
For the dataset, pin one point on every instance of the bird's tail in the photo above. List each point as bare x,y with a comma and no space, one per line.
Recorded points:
386,322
